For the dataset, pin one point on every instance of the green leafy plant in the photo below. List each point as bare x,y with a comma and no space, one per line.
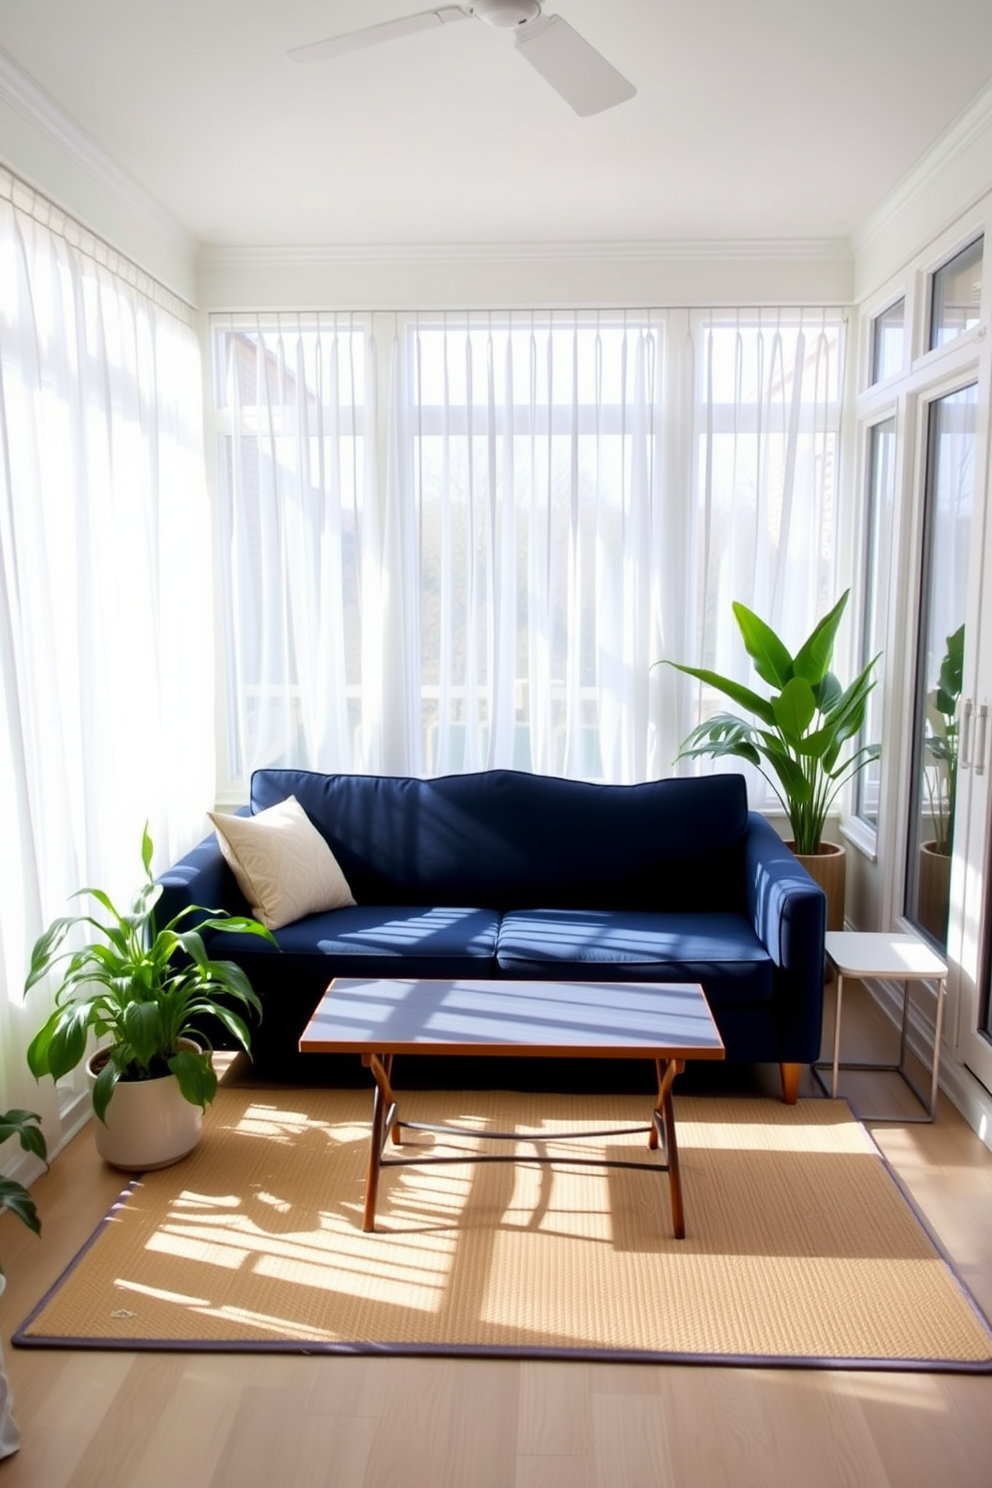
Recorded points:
942,742
798,740
14,1196
146,988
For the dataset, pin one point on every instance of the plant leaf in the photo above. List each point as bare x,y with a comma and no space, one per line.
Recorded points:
144,1030
235,1025
795,709
45,947
106,1081
794,783
68,1041
15,1197
813,657
146,851
240,925
772,661
196,1077
724,734
742,696
25,1126
828,693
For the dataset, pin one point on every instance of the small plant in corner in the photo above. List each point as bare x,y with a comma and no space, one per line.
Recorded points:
145,988
798,739
14,1196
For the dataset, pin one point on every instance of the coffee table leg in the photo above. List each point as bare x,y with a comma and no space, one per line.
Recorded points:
383,1104
674,1174
664,1113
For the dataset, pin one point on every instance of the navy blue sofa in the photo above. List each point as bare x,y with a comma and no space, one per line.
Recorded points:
506,874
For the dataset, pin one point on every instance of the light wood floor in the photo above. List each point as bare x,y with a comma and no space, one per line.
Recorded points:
199,1421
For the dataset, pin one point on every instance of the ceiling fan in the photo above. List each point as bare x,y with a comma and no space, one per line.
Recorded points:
564,59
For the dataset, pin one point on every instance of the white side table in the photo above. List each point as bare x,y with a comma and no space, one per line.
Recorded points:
897,958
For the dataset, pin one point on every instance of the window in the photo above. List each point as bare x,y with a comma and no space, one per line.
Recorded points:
489,581
291,479
533,467
767,431
949,533
888,333
955,295
879,514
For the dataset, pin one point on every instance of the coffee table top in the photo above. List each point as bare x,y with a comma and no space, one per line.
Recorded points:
635,1020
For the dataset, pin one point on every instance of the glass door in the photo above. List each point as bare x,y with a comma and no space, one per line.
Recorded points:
940,723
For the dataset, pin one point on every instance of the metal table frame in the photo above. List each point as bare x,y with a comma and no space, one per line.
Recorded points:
886,957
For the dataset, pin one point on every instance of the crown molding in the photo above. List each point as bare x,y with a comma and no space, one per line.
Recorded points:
957,139
22,93
232,255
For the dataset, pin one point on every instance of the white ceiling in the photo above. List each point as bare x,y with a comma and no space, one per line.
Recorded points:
754,119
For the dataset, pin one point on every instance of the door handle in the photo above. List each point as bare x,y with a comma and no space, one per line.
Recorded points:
983,728
964,759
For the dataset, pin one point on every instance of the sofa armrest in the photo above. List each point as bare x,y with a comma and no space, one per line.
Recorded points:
786,907
203,878
789,914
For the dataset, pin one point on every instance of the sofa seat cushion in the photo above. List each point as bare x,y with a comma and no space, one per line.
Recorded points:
721,951
421,942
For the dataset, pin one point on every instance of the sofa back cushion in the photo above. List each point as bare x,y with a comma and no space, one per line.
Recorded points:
508,839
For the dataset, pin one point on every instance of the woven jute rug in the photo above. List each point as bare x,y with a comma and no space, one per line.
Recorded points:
800,1248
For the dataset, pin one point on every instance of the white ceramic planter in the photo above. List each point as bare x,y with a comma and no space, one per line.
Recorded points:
10,1436
149,1124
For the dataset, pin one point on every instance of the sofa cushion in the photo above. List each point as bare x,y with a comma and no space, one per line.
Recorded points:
283,865
505,838
416,941
721,951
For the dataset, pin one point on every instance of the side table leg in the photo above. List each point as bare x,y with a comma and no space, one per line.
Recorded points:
938,1025
837,1013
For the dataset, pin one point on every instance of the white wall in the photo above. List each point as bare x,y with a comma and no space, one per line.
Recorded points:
605,275
48,151
947,183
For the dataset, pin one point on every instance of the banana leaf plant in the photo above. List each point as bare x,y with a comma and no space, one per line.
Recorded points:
147,988
942,742
798,738
25,1125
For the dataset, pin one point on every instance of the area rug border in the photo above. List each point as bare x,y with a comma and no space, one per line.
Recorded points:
21,1338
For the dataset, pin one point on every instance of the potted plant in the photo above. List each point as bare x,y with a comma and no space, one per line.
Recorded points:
940,777
15,1197
26,1126
148,989
801,730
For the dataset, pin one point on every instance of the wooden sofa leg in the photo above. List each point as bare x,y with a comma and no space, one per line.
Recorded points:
790,1082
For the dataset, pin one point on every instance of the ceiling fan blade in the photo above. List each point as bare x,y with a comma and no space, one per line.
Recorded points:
353,41
574,69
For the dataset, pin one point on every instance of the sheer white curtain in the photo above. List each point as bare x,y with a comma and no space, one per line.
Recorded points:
106,633
301,562
460,540
493,597
768,389
536,478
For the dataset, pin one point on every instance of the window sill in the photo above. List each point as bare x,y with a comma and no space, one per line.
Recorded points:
862,837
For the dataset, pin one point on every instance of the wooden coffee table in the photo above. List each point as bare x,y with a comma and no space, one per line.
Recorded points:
667,1022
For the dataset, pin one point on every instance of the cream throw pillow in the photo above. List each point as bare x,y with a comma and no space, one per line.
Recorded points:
282,864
